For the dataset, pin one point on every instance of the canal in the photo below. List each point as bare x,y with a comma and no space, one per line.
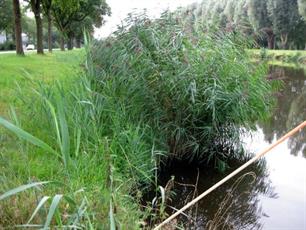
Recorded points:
270,194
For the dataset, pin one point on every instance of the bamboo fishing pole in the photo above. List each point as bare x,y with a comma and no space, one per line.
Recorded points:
256,157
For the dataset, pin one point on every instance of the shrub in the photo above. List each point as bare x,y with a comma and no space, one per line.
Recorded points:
8,45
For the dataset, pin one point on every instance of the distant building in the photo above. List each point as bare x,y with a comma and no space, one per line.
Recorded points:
2,37
25,38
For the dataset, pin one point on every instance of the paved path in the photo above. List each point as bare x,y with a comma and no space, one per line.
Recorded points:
25,51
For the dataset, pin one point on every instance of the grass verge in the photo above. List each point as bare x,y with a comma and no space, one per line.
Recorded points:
17,71
280,57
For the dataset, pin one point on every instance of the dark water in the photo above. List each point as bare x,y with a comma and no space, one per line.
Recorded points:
268,195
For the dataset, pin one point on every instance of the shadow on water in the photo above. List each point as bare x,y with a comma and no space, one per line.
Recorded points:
237,204
290,110
234,205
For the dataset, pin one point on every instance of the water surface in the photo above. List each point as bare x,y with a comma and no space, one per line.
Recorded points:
276,198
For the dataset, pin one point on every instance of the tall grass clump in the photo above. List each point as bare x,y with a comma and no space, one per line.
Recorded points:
197,91
93,158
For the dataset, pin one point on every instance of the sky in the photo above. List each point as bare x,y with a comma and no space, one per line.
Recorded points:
121,8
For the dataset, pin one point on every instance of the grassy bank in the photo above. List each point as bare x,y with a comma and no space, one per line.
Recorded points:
280,57
70,158
48,68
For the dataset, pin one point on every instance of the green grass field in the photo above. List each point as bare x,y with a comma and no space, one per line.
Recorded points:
19,165
282,52
47,68
290,58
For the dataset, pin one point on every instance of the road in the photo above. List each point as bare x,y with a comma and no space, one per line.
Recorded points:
25,51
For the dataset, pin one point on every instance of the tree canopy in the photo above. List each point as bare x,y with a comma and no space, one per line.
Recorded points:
302,8
6,15
272,23
72,16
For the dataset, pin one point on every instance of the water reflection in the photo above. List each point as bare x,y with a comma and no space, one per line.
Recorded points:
234,205
290,108
248,205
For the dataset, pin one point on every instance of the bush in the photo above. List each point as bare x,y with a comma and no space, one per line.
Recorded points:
197,91
8,45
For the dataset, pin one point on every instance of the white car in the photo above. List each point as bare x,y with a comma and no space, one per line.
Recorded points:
30,47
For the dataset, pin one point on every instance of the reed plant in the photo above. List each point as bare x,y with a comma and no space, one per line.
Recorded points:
197,91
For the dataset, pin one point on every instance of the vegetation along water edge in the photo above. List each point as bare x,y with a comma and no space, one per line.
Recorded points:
103,136
148,94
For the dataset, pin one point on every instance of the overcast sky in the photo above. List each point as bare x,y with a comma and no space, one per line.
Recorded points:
120,9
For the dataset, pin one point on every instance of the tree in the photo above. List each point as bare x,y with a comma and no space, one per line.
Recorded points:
47,5
284,15
217,20
260,20
229,11
302,11
241,19
63,13
18,29
297,36
29,28
7,18
36,8
302,8
66,13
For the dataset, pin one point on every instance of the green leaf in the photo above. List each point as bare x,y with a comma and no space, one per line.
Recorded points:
57,130
55,201
78,142
111,216
21,189
40,204
27,136
65,140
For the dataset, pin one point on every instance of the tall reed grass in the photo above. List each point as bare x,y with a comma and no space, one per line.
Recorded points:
197,91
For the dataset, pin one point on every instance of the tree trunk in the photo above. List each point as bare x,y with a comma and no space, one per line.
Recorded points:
18,29
271,41
49,31
62,43
36,8
78,42
39,29
70,43
284,39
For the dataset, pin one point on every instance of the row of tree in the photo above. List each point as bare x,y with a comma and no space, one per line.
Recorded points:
70,17
273,23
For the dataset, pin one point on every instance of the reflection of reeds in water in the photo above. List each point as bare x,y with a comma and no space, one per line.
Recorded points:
236,205
289,110
220,220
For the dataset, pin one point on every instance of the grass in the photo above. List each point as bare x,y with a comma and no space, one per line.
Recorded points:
283,57
47,68
60,140
281,52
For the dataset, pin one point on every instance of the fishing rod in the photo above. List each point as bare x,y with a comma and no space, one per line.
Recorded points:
242,167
